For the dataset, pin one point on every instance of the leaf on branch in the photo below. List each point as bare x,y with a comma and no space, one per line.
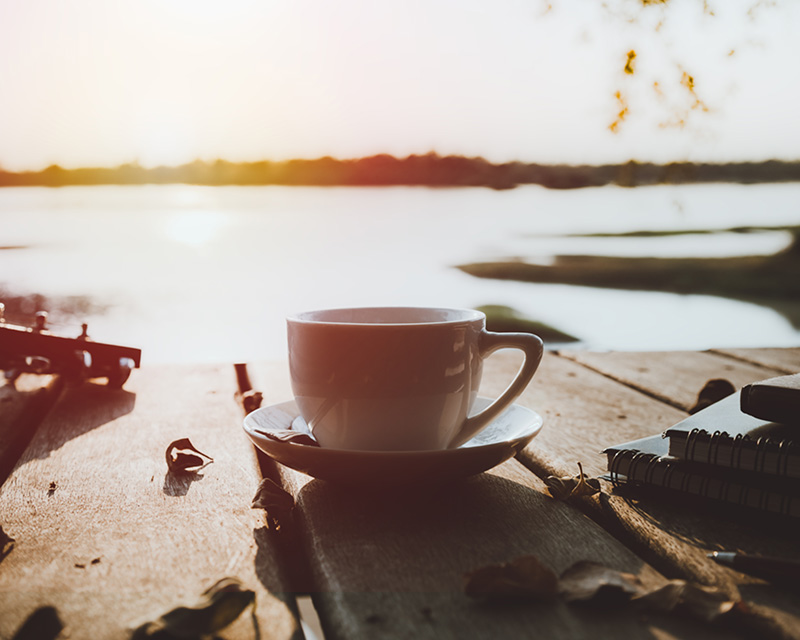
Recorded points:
525,577
622,104
687,81
178,461
567,487
587,581
289,435
629,62
218,606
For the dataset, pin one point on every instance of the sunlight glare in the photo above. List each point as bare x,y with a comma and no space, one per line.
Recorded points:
195,227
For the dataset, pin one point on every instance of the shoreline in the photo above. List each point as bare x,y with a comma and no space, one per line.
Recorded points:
429,170
771,281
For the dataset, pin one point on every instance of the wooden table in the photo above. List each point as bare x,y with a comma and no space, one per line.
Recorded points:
109,539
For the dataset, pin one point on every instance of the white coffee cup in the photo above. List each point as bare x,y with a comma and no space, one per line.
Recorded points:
398,378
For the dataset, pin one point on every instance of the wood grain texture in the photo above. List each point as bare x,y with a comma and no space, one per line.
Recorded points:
674,377
111,540
393,564
782,360
380,565
586,411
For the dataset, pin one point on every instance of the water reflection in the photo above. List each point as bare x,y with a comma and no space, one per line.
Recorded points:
718,245
208,274
194,227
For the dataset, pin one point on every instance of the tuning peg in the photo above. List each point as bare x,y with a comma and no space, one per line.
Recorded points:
41,321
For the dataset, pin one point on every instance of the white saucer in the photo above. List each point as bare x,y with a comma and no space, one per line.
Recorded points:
498,442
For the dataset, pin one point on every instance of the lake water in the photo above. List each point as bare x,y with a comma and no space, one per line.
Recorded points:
209,273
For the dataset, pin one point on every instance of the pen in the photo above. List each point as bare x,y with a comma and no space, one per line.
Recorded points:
760,566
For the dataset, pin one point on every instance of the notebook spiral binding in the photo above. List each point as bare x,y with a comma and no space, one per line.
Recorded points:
761,446
651,462
637,458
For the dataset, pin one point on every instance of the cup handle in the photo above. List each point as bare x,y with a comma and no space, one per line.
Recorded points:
533,348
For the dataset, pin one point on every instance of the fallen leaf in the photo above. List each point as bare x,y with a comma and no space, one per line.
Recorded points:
704,603
6,543
713,391
270,495
179,462
249,400
568,487
589,581
288,435
218,606
277,502
525,577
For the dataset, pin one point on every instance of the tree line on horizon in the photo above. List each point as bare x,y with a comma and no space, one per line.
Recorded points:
415,170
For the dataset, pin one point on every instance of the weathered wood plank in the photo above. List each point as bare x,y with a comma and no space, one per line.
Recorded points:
106,536
392,564
23,405
586,411
782,360
674,377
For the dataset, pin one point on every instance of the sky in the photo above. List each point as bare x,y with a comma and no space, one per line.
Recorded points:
105,82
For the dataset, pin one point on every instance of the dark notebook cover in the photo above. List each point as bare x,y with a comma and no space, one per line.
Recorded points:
775,399
722,435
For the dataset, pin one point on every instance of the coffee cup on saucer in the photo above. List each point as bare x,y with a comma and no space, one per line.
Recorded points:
398,378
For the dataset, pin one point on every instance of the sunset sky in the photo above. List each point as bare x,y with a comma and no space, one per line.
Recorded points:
103,82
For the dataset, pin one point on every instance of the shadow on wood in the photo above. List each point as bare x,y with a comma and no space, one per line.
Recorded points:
42,624
177,484
23,409
393,564
80,410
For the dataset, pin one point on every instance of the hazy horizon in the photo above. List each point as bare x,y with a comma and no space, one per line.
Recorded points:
100,83
212,161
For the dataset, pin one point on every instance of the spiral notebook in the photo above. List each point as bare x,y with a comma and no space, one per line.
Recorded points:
724,436
645,463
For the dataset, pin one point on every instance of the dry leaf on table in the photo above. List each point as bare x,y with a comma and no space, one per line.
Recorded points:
249,400
713,391
180,462
525,577
589,581
277,502
218,606
568,487
705,603
6,543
